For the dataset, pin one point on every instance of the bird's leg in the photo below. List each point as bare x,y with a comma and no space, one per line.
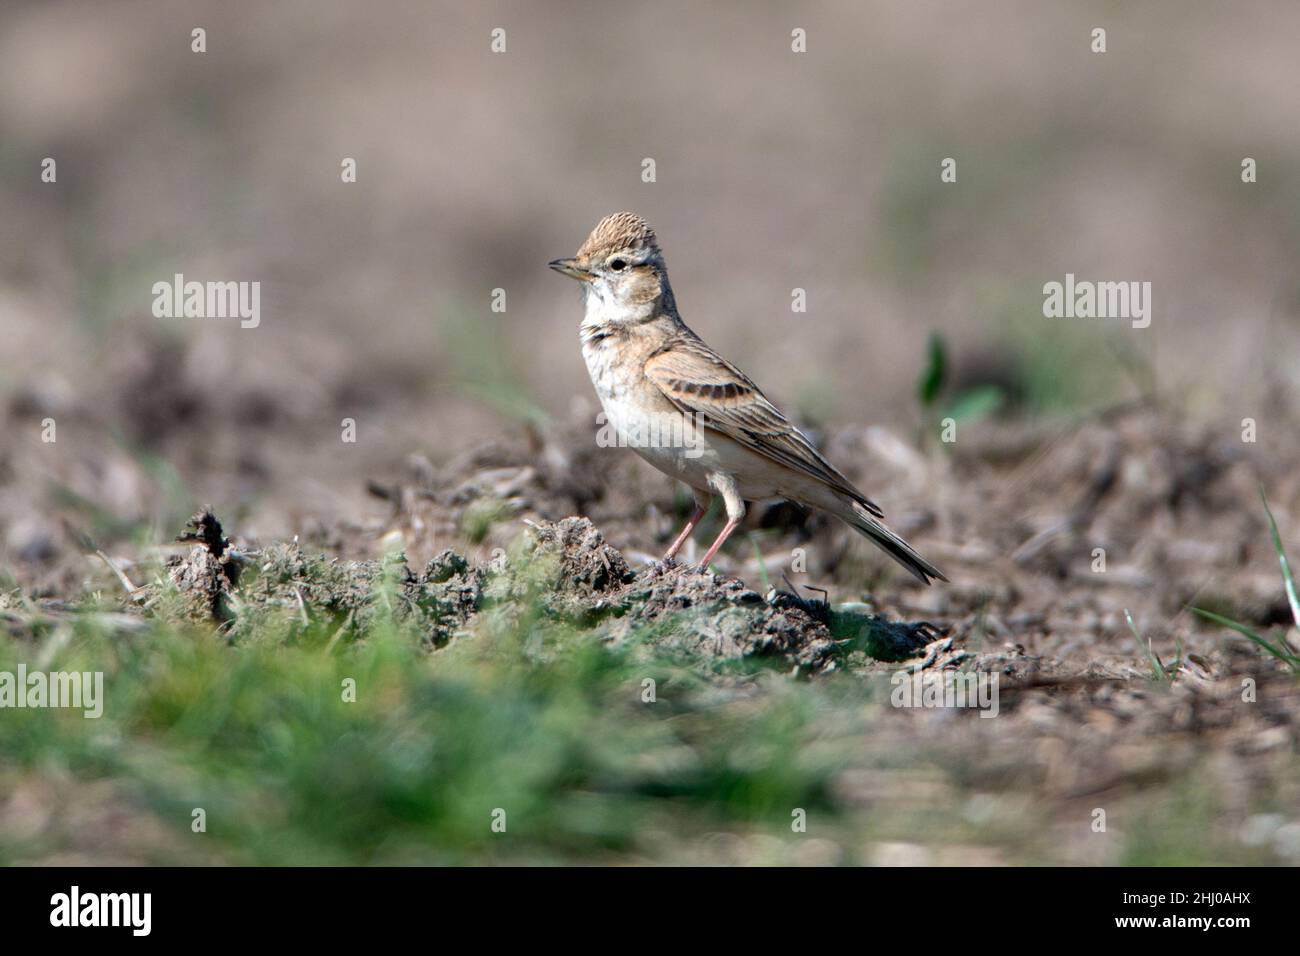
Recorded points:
691,522
729,527
735,515
701,509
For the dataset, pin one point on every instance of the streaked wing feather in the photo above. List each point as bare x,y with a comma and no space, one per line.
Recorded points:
699,381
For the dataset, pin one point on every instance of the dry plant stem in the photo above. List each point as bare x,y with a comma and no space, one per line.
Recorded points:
120,574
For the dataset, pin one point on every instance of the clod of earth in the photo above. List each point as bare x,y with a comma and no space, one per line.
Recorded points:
565,568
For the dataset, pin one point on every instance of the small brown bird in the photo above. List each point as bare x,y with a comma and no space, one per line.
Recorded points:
690,412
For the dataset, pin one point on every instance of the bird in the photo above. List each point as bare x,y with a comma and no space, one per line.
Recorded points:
688,411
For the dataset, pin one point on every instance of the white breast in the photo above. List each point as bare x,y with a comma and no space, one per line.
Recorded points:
667,439
679,449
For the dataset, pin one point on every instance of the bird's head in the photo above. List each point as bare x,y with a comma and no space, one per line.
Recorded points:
621,266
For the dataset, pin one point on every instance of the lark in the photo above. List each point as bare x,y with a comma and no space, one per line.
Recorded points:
654,377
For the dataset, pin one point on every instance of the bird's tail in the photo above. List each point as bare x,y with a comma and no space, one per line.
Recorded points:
861,520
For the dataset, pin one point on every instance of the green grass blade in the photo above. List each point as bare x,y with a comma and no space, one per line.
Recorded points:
762,565
1281,654
930,384
976,404
1287,576
1161,674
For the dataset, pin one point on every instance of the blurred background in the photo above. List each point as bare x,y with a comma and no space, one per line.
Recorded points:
775,170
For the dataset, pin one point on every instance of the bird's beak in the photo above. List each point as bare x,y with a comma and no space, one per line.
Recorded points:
570,268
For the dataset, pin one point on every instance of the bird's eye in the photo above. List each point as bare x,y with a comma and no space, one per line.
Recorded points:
618,265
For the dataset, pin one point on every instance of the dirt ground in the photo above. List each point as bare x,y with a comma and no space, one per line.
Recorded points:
1120,476
1014,514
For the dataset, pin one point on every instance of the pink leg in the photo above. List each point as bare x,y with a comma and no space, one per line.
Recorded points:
691,522
726,533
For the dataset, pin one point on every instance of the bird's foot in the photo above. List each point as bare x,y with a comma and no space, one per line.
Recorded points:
664,565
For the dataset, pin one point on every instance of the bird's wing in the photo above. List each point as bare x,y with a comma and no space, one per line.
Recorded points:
699,381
